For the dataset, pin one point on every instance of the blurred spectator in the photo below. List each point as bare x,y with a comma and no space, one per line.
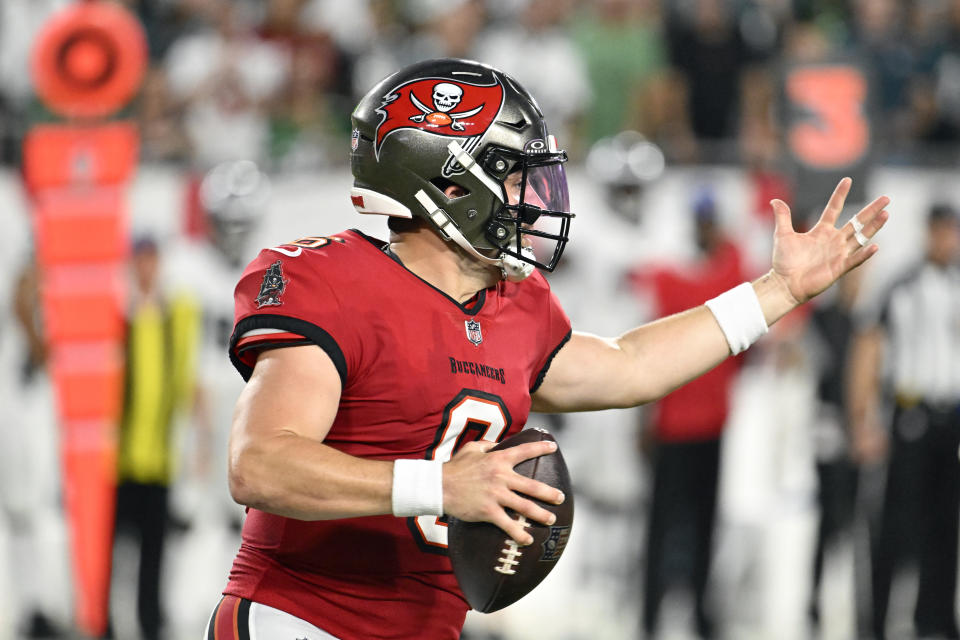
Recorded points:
683,436
19,22
162,138
232,200
625,55
225,75
762,578
282,21
881,37
764,26
831,330
447,28
159,381
935,91
717,47
163,20
536,49
30,474
350,24
625,165
309,125
309,110
707,47
26,306
388,46
915,339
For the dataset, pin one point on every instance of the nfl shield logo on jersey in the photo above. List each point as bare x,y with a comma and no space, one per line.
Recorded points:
473,332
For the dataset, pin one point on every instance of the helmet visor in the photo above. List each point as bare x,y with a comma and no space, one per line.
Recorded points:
546,188
534,223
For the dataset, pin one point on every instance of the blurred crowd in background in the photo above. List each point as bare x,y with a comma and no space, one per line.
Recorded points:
275,80
742,508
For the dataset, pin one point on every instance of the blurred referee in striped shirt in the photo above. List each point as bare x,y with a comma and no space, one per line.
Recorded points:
907,358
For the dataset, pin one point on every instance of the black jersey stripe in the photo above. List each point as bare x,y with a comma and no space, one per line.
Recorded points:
306,329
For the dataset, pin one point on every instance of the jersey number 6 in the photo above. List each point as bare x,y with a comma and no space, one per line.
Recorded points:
471,415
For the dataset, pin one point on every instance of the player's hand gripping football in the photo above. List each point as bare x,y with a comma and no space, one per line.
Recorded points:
807,263
478,486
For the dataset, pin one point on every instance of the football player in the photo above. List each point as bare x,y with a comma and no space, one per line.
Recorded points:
380,373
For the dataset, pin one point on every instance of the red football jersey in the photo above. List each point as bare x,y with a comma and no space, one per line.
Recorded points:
421,375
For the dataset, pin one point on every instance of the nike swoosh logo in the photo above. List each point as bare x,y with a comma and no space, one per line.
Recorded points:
288,252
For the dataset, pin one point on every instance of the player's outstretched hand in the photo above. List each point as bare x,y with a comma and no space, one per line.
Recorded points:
478,486
807,263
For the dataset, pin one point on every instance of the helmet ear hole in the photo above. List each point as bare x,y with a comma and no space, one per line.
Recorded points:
450,189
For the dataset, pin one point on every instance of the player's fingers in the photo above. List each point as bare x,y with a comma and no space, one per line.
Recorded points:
477,445
516,455
835,204
861,255
782,219
869,219
536,489
862,227
874,216
485,445
515,528
866,214
528,508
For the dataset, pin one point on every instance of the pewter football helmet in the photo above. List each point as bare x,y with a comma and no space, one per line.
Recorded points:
458,122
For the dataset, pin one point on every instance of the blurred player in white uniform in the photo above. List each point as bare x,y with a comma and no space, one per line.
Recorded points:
232,198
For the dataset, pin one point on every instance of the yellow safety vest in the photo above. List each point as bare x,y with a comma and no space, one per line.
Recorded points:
160,366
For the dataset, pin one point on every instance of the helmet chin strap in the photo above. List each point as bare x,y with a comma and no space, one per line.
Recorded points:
512,268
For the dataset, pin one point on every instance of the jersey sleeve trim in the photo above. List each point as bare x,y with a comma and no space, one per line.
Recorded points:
286,324
256,340
546,365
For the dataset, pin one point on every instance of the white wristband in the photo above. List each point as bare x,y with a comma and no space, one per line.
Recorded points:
417,488
739,315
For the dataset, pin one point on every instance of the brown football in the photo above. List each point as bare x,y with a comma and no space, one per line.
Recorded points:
492,570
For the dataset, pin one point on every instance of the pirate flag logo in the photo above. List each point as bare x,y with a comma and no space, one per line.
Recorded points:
272,286
442,106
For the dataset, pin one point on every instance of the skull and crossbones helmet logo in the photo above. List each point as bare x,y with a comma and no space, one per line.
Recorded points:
445,97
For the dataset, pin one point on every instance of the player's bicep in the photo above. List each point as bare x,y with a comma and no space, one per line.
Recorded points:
586,374
292,390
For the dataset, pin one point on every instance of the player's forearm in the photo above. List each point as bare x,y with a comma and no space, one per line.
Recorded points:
650,361
684,346
297,477
641,365
669,352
